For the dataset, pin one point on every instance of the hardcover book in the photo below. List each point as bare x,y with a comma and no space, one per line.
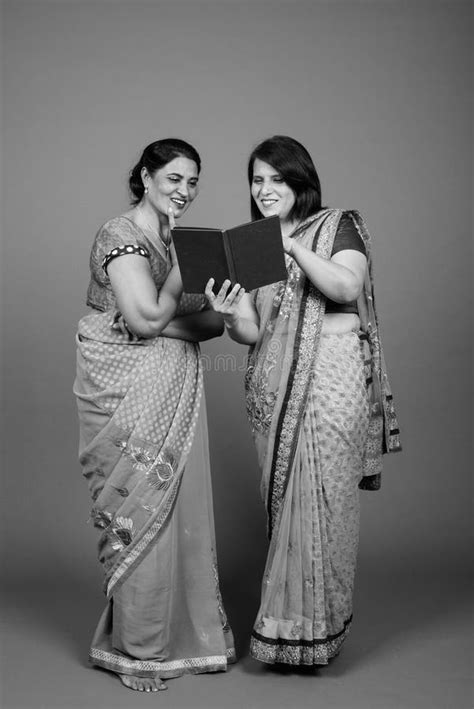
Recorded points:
250,254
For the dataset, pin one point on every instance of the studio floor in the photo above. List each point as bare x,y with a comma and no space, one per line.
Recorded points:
409,648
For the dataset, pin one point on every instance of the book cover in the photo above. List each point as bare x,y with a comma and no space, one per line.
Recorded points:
250,254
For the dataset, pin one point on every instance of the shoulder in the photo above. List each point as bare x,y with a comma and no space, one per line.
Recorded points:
116,237
349,217
352,214
349,234
119,227
118,231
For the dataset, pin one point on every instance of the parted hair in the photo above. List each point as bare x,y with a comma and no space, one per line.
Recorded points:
296,167
157,155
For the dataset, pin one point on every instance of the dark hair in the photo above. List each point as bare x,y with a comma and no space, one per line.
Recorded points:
157,155
293,162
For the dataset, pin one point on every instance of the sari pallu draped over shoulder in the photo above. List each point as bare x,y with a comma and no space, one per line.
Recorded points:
279,386
280,365
139,407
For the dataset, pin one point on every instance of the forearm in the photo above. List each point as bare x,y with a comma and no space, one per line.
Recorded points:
148,323
334,280
241,330
195,327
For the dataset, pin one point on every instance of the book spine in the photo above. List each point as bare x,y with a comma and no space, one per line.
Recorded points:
229,257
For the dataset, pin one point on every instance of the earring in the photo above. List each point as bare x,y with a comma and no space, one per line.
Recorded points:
146,189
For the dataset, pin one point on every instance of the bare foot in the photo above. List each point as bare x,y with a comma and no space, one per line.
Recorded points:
143,684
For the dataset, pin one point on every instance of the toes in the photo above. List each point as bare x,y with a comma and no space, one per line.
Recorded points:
132,682
141,684
126,680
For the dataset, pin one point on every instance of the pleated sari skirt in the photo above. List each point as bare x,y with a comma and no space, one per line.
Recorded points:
306,604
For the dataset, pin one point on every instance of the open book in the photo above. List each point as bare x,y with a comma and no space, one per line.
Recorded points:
250,254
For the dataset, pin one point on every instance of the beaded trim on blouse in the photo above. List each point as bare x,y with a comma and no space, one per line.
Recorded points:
122,251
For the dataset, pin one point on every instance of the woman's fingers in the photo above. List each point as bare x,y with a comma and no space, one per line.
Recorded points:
223,291
171,219
121,325
218,299
239,296
208,292
287,245
225,299
174,258
232,295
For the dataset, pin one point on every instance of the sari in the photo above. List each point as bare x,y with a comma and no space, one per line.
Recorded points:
144,452
322,415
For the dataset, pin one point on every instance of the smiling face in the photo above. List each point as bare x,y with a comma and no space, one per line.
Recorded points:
271,193
175,185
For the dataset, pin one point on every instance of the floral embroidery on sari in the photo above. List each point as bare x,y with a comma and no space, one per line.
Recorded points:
327,390
160,474
260,402
101,519
139,404
121,533
285,290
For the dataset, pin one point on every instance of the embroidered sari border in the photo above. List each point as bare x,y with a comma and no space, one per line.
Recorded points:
304,643
298,652
133,556
311,311
138,552
121,664
281,418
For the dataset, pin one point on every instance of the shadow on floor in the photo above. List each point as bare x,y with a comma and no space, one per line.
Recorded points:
393,600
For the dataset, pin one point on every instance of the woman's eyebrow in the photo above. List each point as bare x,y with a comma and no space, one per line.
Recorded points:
178,174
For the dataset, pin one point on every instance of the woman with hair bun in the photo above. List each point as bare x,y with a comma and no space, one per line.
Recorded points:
143,437
318,401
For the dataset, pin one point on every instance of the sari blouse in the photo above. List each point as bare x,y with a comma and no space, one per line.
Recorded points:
280,364
118,234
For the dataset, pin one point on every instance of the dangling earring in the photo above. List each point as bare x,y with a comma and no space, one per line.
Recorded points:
146,189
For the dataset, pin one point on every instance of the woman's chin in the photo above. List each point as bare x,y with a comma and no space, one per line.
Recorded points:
269,213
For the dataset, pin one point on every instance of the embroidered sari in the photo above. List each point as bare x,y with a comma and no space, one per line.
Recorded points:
322,415
144,451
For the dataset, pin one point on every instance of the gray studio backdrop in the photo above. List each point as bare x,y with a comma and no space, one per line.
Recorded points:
379,93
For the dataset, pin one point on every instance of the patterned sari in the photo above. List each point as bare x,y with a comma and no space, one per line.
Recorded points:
144,452
322,415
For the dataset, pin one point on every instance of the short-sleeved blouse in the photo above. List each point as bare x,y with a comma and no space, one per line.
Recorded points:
347,237
120,236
